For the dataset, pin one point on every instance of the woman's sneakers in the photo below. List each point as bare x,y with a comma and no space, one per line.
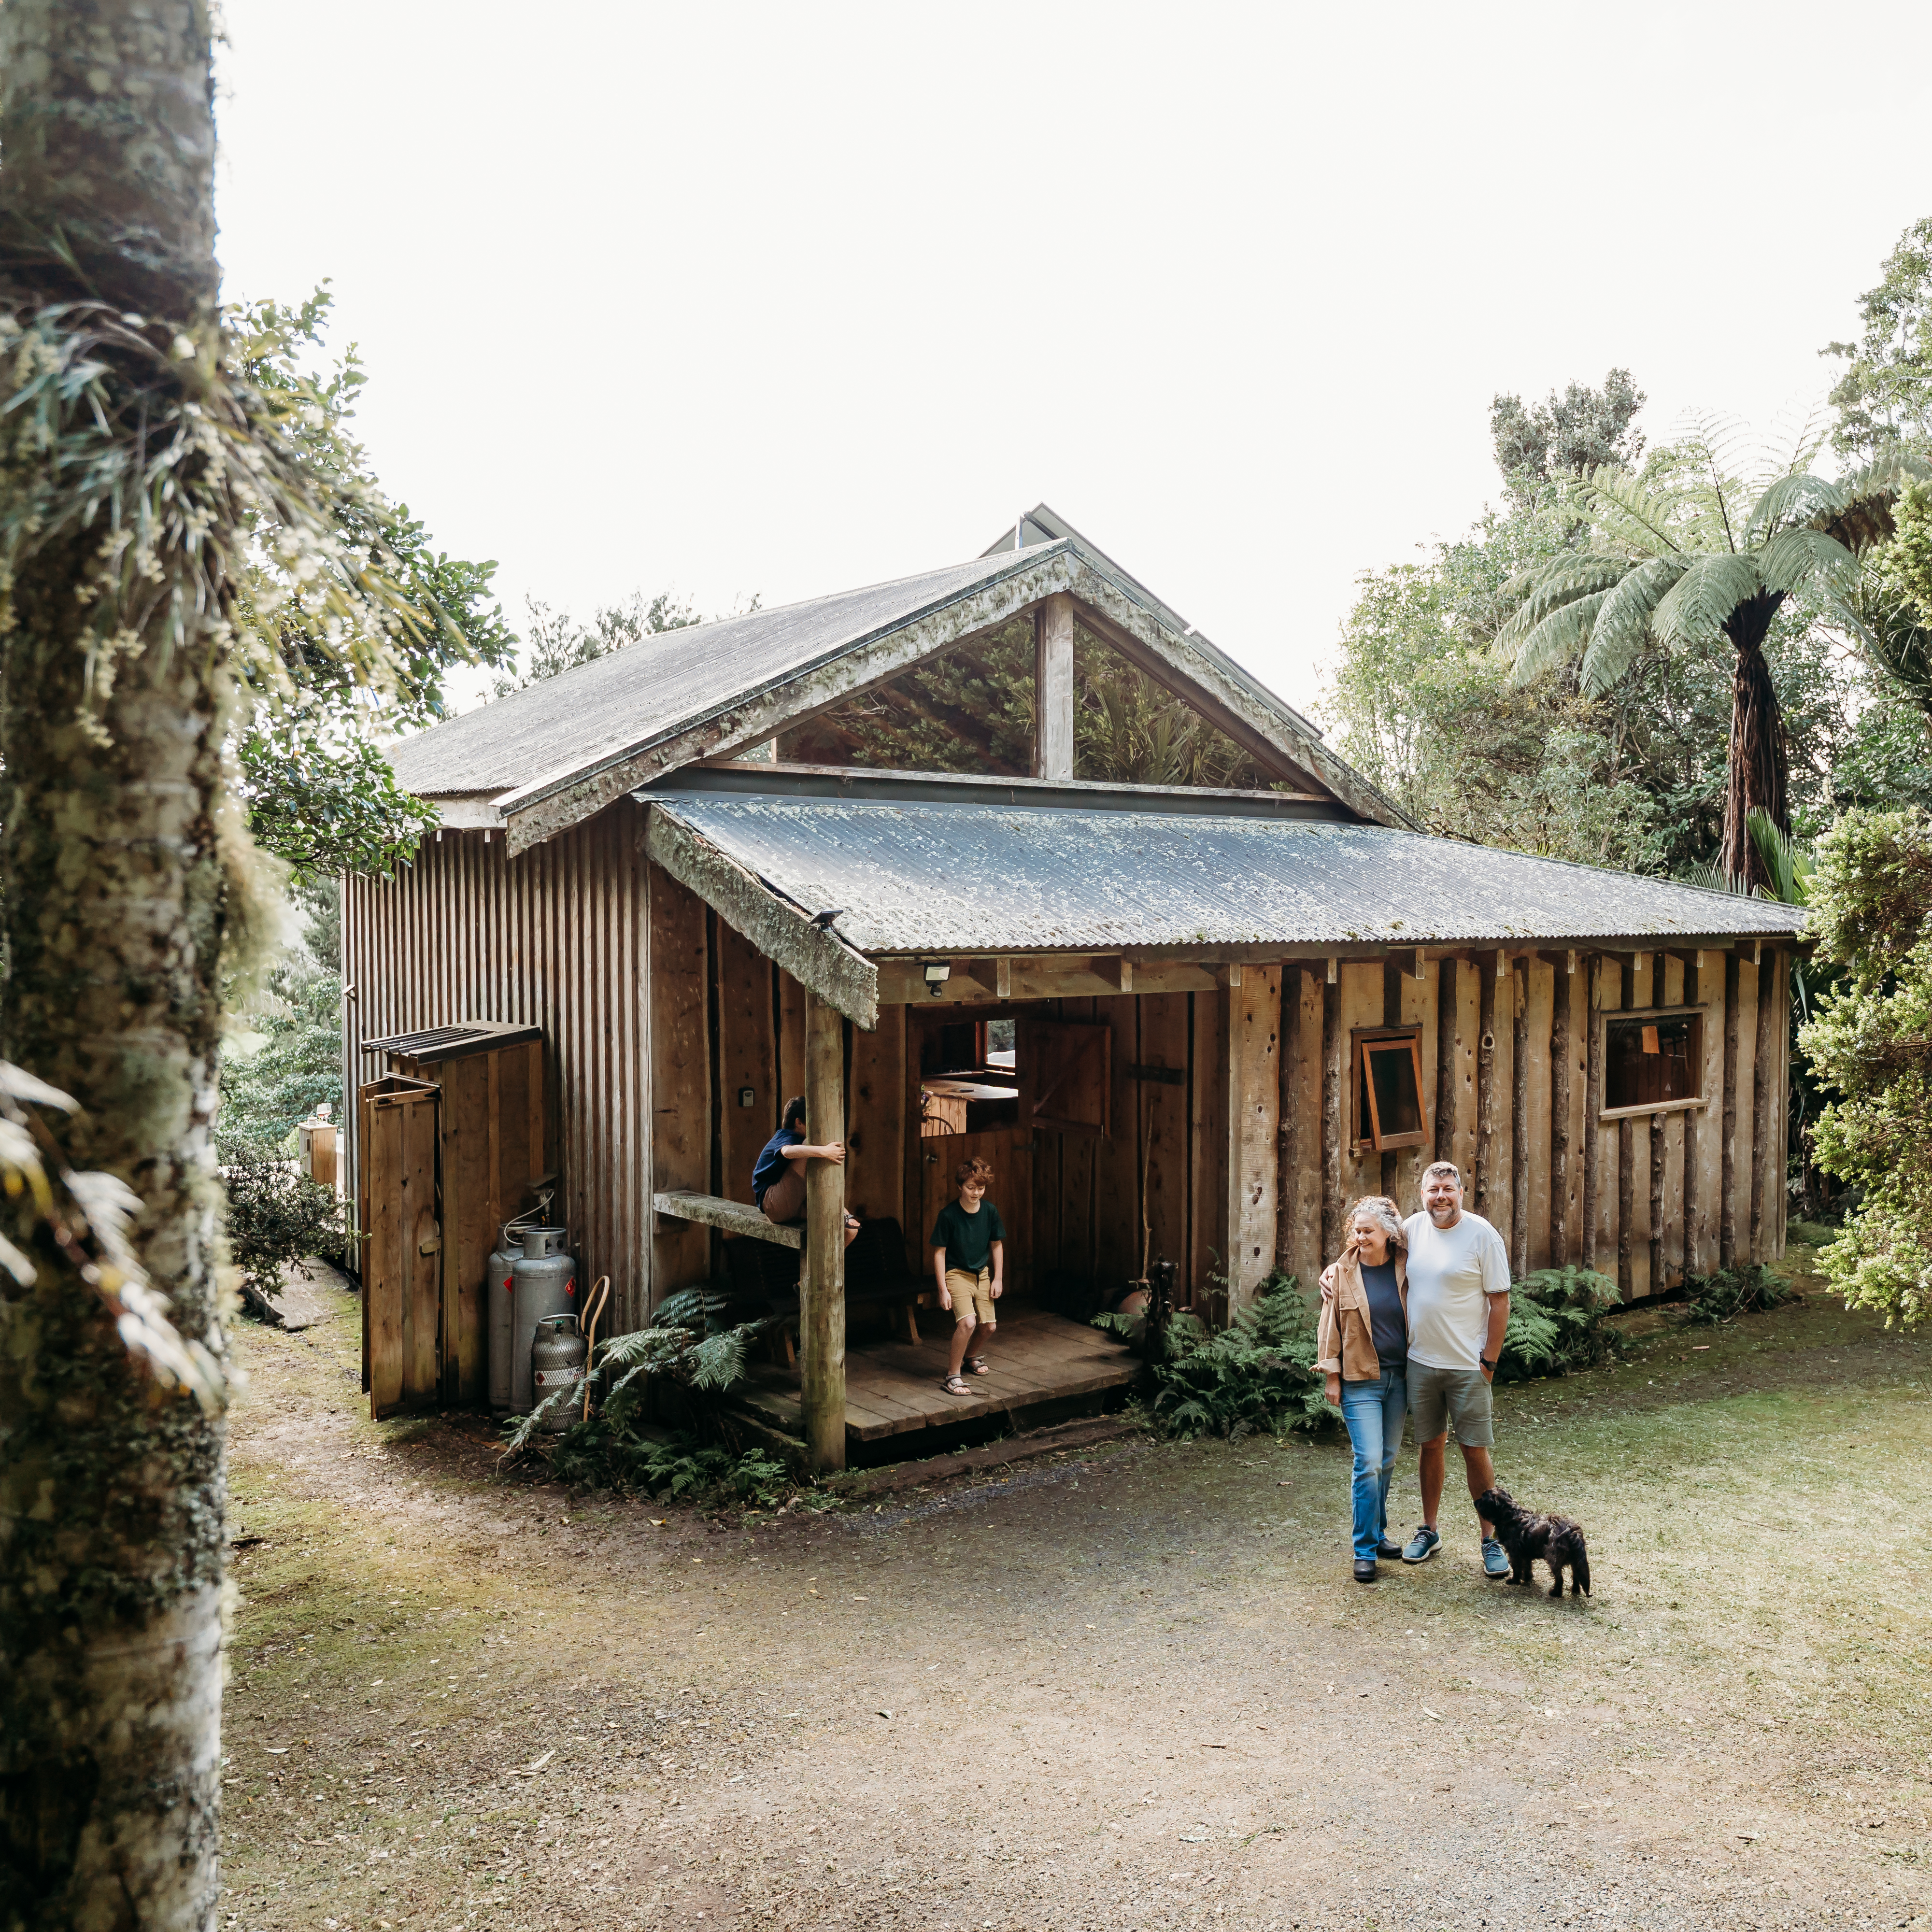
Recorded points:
1422,1545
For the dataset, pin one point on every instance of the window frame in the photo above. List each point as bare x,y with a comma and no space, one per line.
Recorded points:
1697,1015
1362,1040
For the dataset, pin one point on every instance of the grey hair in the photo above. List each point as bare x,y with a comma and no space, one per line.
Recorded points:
1380,1210
1438,1167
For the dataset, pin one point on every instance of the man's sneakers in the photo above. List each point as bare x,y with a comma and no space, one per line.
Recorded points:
1365,1569
1422,1545
1495,1558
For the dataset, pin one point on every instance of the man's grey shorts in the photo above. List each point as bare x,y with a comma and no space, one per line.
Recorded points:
1436,1395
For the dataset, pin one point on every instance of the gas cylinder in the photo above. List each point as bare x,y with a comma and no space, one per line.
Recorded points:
557,1356
546,1284
499,1289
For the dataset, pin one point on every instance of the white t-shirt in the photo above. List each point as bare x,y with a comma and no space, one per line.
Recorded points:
1452,1273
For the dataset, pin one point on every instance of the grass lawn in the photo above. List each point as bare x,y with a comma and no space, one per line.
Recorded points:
1131,1686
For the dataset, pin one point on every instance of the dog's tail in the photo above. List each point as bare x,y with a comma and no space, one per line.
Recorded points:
1580,1570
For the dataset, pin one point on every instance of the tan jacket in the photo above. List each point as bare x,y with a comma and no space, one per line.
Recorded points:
1344,1338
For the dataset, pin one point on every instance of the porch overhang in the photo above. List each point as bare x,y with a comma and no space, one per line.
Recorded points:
950,878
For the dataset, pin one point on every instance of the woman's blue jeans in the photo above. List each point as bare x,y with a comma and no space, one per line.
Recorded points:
1374,1411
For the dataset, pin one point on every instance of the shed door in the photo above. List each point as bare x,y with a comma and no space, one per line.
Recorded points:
402,1267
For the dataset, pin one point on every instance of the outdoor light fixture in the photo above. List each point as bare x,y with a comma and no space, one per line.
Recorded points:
937,972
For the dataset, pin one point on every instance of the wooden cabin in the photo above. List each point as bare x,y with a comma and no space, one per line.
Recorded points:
873,848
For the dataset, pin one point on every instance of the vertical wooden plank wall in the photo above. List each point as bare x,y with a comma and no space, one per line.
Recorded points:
1254,1106
1162,1124
875,1125
556,938
747,1058
1207,1150
681,1091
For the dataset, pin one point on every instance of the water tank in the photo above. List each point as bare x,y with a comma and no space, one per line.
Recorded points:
545,1284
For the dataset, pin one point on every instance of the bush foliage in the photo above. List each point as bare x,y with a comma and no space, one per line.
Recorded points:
617,1450
1257,1373
1725,1294
1556,1324
1871,903
276,1217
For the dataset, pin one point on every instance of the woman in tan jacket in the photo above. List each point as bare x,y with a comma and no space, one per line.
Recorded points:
1362,1346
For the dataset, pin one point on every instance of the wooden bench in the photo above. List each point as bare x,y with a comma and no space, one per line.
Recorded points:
734,1217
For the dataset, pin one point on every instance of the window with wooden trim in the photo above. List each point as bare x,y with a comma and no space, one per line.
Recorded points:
1653,1060
1388,1088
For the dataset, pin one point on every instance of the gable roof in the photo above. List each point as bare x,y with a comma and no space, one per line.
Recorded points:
548,757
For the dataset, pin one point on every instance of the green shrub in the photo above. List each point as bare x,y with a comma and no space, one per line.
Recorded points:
1728,1293
616,1449
276,1216
1257,1373
1556,1324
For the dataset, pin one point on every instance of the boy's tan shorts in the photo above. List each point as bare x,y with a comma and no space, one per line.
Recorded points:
972,1296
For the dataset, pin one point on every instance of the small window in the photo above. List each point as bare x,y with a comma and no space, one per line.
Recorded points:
1388,1089
1652,1060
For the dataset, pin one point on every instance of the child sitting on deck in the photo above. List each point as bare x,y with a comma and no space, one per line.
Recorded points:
969,1254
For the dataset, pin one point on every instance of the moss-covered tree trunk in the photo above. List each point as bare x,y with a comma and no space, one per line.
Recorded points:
111,1488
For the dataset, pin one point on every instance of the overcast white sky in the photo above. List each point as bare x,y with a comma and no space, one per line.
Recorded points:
792,298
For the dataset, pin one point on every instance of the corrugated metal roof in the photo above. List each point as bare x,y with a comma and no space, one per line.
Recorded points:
978,878
659,686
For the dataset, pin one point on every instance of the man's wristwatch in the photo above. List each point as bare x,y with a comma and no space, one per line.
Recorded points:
1487,1363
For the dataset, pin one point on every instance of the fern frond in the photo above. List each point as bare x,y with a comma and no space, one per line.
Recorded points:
1560,582
1793,556
1632,513
1623,624
1702,599
1789,501
1556,639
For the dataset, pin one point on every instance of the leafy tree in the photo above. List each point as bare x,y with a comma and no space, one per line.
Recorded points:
141,474
1677,563
556,642
1884,395
1871,900
1573,435
297,1067
319,792
276,1217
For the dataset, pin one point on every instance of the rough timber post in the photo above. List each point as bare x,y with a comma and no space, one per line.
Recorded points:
1053,688
1562,1049
1768,1065
1288,1127
1331,1114
1593,1101
1519,1240
1727,1193
821,1326
1694,989
1658,1155
1491,974
1448,1005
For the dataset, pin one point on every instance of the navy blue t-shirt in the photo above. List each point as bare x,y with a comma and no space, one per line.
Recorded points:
1388,1327
772,1163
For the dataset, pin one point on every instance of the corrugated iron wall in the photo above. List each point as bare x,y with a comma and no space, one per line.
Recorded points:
556,938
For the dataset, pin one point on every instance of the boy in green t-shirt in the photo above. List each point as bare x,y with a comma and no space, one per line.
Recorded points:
969,1257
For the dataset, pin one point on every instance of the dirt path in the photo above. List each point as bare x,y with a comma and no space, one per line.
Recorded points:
1126,1688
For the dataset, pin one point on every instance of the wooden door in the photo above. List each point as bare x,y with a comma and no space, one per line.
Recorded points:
402,1267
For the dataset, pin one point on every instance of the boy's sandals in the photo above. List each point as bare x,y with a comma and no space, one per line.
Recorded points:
955,1385
979,1365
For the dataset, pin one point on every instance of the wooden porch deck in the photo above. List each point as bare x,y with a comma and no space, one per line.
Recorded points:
1039,1361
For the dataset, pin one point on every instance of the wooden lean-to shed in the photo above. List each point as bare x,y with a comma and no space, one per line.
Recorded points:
848,848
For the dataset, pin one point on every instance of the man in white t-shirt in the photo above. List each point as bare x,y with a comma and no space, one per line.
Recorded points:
1459,1281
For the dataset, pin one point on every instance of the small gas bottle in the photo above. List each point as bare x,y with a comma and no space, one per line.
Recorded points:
557,1356
546,1284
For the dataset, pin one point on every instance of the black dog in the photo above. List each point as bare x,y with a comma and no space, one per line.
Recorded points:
1558,1540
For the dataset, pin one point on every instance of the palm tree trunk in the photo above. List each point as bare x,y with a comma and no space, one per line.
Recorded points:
112,1489
1756,776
